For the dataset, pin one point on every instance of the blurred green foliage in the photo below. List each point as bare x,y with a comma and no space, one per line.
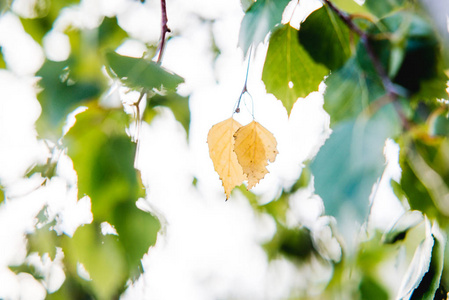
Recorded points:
351,160
363,114
382,8
103,157
2,60
350,91
178,104
61,94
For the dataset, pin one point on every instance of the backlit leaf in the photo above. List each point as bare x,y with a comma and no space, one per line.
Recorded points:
103,157
400,228
62,93
2,60
246,4
110,34
106,172
418,266
293,243
259,20
349,6
102,256
351,161
254,146
382,8
326,38
425,177
370,289
142,73
289,72
430,283
439,124
221,151
349,91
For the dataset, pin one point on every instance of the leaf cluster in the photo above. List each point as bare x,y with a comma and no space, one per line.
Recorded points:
100,149
384,70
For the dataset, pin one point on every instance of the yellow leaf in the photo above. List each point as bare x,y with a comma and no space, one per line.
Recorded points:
254,146
221,151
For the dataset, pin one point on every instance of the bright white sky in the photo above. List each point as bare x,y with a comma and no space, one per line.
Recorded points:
210,248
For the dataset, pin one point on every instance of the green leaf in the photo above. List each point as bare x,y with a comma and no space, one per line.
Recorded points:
259,20
72,289
43,240
439,125
61,94
371,289
411,56
293,243
416,192
110,34
422,54
103,157
431,280
351,161
102,256
246,4
140,73
326,38
178,104
36,28
382,8
2,195
137,231
47,170
45,14
278,208
426,175
289,72
349,91
2,60
400,228
349,6
3,6
419,280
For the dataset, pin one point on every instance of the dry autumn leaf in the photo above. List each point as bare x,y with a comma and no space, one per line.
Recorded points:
254,146
221,151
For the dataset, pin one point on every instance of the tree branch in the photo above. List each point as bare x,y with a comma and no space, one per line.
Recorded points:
367,43
164,30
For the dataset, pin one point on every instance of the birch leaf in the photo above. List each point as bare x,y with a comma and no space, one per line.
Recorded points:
221,151
254,146
289,72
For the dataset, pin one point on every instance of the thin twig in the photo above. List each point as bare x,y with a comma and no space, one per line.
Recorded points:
245,86
164,30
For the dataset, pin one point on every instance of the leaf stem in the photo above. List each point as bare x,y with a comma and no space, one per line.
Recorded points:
164,30
245,86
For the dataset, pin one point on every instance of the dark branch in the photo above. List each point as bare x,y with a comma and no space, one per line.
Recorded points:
367,43
164,30
345,18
